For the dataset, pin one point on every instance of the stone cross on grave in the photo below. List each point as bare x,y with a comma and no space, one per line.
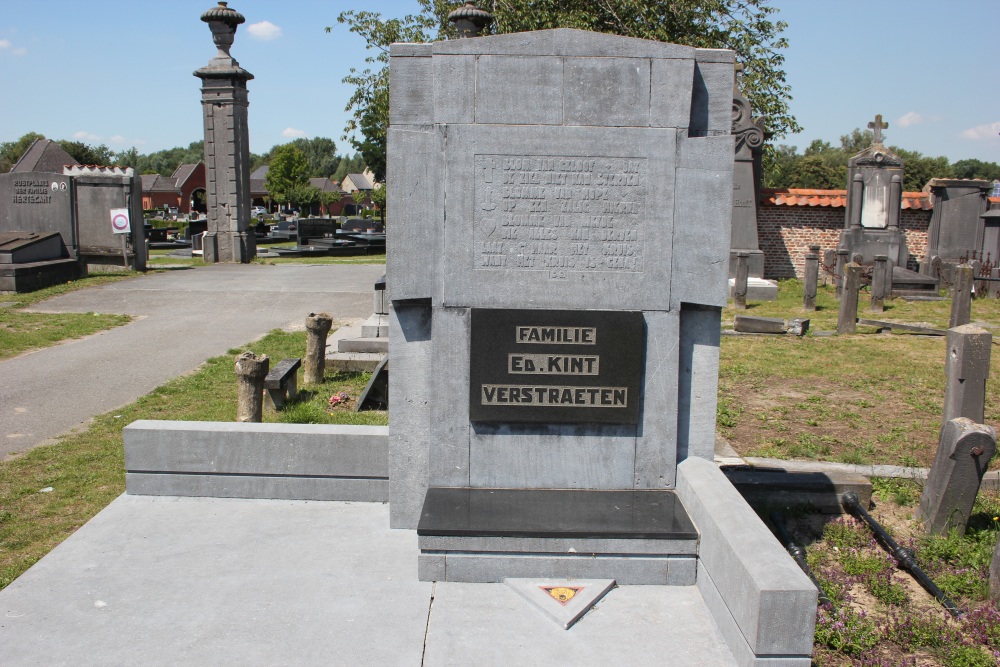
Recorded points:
878,126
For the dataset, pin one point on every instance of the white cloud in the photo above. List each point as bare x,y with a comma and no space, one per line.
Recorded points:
292,133
18,51
87,136
118,139
264,30
988,131
910,118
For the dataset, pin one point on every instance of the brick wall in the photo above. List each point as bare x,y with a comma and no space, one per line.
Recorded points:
785,232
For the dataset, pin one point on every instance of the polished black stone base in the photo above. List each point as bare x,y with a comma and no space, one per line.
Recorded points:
555,514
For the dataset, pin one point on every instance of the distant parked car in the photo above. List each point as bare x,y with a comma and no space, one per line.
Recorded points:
257,211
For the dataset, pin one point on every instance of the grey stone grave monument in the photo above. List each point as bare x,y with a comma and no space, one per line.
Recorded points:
957,229
556,281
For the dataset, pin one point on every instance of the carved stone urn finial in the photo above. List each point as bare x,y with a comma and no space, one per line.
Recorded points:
223,22
470,20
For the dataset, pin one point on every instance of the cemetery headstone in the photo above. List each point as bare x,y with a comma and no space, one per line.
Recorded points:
961,296
809,285
956,229
847,318
881,278
843,258
742,274
874,202
967,367
227,144
964,453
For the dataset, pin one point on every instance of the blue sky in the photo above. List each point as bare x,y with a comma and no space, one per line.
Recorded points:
120,73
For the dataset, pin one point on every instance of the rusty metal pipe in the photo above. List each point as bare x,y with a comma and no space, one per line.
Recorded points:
797,553
903,556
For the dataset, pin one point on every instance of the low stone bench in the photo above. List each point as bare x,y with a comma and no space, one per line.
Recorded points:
281,384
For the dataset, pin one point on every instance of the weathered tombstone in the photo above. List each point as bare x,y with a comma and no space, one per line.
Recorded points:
742,274
967,366
961,296
843,258
227,145
752,324
809,285
847,317
881,277
956,229
964,453
317,328
250,373
994,284
557,279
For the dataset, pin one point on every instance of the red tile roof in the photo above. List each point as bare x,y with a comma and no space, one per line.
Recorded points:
831,198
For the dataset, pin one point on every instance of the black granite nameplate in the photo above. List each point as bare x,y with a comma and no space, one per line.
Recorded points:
556,366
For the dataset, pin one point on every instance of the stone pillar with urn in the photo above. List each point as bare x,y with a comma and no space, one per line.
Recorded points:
227,144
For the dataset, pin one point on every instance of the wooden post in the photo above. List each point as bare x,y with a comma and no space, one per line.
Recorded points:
250,373
317,327
847,319
961,296
742,275
811,279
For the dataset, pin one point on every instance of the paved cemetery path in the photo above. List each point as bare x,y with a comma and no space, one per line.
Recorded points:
182,317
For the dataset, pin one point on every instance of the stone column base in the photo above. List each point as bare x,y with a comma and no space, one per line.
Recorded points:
239,247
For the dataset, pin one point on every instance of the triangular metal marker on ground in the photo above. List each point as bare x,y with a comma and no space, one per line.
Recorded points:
565,601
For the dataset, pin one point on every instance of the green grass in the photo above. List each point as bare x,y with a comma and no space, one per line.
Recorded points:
86,470
862,398
21,331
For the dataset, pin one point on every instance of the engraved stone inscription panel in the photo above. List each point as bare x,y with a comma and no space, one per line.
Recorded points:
37,202
560,215
555,367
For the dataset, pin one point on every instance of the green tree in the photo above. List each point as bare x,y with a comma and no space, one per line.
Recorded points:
378,199
359,197
320,152
353,164
288,175
11,151
973,168
328,197
919,168
165,162
127,158
87,154
745,26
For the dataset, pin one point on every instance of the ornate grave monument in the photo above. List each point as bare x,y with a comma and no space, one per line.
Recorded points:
227,144
556,279
750,133
874,202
